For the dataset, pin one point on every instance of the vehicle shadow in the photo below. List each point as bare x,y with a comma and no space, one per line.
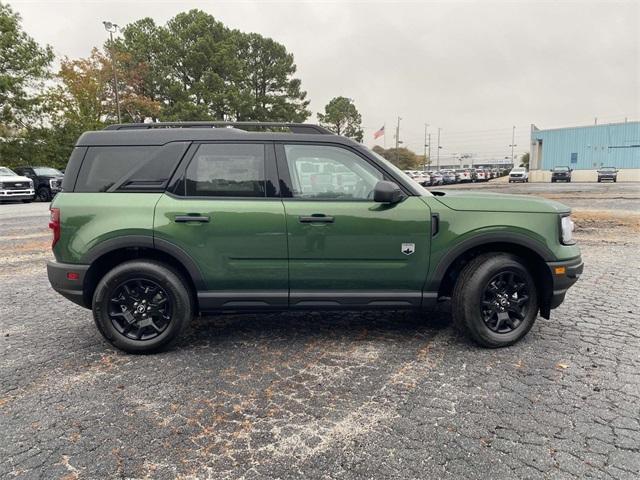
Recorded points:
305,326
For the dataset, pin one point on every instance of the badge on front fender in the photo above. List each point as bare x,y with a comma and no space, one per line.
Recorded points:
408,248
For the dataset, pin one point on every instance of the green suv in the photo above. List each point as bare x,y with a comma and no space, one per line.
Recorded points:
159,222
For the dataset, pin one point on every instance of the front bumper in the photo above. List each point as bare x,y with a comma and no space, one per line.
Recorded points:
564,274
27,194
68,280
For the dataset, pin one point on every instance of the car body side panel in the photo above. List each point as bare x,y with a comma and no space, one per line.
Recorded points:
243,247
89,219
457,228
361,249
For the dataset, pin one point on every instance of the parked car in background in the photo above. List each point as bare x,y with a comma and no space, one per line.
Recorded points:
560,174
436,178
495,173
608,173
448,177
518,174
466,175
482,175
15,187
47,181
419,176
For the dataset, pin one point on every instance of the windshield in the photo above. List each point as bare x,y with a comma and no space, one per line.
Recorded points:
561,169
399,172
47,172
518,169
7,172
608,169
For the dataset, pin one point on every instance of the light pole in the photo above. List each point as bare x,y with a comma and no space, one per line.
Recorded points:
398,142
111,28
424,165
439,147
513,142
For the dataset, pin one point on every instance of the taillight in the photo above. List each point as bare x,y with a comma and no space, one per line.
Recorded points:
54,225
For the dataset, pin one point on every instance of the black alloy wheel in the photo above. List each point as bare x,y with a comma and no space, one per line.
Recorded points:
505,302
140,309
142,305
495,299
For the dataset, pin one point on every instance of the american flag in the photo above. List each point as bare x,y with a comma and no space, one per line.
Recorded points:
378,133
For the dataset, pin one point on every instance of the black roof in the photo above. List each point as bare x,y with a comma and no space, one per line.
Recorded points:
161,133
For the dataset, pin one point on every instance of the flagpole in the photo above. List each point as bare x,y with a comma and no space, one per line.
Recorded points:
384,126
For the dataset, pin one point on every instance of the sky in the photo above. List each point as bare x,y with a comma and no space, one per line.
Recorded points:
474,69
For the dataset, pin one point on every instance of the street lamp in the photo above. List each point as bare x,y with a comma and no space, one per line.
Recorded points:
513,142
111,28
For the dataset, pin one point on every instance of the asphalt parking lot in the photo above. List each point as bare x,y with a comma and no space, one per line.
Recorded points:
329,395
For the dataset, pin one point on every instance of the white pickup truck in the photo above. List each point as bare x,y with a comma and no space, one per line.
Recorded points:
15,187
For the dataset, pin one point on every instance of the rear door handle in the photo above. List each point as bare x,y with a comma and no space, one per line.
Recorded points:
191,218
315,218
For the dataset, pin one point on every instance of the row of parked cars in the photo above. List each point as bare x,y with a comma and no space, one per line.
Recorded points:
447,176
563,174
27,183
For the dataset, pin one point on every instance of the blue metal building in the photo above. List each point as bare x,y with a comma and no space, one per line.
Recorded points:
587,148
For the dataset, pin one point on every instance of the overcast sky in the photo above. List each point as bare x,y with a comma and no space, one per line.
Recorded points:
473,68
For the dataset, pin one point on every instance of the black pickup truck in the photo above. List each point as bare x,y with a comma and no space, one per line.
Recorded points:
47,181
560,173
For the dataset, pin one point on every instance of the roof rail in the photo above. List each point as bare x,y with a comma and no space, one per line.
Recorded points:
293,127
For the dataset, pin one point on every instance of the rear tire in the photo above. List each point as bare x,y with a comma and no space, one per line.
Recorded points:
495,300
142,306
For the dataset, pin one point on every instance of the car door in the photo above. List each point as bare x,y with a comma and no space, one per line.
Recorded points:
224,211
344,248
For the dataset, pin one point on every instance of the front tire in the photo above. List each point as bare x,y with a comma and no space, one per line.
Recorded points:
495,300
44,194
142,306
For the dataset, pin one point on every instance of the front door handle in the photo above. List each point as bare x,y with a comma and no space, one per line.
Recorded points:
315,218
191,218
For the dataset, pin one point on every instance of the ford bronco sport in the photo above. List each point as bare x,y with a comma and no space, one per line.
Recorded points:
159,222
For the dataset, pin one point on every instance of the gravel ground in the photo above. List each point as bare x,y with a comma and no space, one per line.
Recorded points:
323,395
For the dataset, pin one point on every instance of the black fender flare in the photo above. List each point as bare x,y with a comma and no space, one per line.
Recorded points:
147,241
477,240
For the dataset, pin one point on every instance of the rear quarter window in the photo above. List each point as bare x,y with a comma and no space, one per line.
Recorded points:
129,168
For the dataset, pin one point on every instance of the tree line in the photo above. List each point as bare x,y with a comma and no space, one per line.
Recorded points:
192,68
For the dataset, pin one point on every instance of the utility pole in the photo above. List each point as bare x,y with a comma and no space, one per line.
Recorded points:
429,148
426,126
439,147
513,143
398,142
112,27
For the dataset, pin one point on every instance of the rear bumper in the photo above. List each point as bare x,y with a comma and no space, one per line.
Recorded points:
564,274
72,289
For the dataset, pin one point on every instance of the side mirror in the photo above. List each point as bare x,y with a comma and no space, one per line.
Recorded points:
387,192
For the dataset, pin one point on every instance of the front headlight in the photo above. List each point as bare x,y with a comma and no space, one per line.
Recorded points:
1,185
566,230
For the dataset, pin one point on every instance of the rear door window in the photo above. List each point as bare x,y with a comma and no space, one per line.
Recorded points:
227,170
